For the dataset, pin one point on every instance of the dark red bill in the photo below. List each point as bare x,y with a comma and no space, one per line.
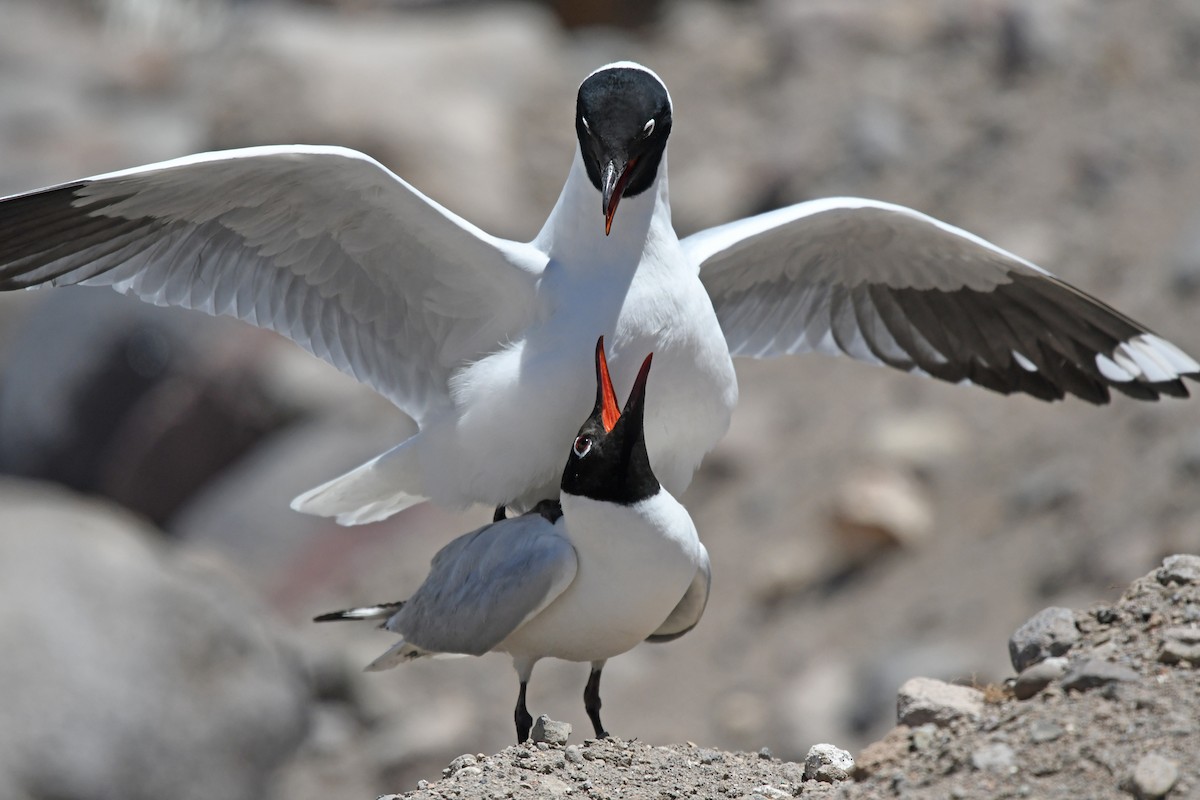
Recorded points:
609,411
615,181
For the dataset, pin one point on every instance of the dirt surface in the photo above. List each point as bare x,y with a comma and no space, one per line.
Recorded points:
1067,132
1086,741
615,768
1111,735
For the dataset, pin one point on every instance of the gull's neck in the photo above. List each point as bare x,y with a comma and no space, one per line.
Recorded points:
574,231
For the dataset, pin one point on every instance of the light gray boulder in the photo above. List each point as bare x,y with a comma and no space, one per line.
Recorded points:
127,672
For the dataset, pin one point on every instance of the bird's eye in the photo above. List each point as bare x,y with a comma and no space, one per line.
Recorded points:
582,446
648,129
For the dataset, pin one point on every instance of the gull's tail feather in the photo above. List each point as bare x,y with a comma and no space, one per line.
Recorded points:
385,485
383,611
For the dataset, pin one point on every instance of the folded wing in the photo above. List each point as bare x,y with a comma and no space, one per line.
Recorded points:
486,584
321,244
691,606
889,285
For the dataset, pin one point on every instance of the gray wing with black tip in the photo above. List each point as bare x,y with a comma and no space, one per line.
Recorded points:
889,285
320,244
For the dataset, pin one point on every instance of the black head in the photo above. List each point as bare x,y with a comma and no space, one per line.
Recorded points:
608,458
622,119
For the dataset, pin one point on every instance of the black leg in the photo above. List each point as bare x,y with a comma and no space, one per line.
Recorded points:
521,716
591,701
500,513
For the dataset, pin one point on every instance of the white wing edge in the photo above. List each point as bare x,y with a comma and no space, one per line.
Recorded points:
216,155
703,245
508,247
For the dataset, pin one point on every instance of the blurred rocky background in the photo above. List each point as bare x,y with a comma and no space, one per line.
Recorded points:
864,526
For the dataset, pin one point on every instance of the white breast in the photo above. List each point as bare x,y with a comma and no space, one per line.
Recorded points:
635,563
637,289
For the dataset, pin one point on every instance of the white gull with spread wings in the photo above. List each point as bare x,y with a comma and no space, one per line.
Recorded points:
477,337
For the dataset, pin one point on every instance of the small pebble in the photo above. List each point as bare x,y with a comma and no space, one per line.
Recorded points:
1180,644
1050,632
1042,731
1090,673
923,736
1181,569
1038,676
552,787
466,760
827,764
1154,776
573,755
997,757
923,700
548,731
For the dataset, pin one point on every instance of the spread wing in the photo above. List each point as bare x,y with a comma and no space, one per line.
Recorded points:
486,584
321,244
691,606
889,285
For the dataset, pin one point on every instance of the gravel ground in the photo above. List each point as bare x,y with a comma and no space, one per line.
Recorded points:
1122,719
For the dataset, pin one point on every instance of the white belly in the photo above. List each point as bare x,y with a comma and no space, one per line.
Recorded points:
635,564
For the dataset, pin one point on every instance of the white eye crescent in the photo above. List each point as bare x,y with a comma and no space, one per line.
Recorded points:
586,126
582,446
649,129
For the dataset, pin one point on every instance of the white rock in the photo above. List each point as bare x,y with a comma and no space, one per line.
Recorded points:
550,786
827,763
1038,676
1183,569
924,700
1154,776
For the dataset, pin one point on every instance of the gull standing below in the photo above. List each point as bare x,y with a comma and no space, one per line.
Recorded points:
617,563
474,336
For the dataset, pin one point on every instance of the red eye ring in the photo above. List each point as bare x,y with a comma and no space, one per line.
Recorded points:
582,446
